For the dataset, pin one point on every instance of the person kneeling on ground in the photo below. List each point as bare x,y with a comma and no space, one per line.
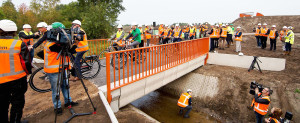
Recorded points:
51,68
185,103
274,116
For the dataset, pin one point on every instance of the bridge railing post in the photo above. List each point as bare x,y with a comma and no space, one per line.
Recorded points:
107,55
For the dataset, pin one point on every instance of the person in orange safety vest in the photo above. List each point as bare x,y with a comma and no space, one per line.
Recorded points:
185,103
273,34
261,103
15,65
82,47
274,116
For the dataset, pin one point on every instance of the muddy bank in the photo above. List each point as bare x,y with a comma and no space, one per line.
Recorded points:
232,101
163,107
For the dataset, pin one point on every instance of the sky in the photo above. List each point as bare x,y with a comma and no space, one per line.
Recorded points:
195,11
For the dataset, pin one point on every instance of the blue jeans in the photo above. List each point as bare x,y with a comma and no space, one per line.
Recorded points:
77,62
176,39
288,46
259,117
31,54
53,81
188,108
258,40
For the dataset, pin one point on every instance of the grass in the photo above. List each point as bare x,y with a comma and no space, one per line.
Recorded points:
297,91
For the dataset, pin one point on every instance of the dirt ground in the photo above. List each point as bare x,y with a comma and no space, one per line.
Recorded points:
232,104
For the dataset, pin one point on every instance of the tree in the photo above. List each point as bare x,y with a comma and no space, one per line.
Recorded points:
100,16
9,10
26,16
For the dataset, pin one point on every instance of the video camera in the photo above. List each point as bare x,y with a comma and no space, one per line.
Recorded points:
287,118
254,85
65,36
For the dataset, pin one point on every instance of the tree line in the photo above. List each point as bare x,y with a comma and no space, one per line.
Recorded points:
98,17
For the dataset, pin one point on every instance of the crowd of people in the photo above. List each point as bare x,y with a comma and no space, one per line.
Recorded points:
17,59
286,36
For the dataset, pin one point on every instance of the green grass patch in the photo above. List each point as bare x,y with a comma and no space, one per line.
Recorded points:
297,91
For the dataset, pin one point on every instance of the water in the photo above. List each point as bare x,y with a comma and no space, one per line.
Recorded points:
163,108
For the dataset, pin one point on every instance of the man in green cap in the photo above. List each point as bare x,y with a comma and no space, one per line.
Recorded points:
51,68
135,34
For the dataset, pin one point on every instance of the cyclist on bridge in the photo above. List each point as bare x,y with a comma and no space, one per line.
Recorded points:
136,36
118,36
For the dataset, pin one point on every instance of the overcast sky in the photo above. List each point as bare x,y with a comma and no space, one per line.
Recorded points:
196,11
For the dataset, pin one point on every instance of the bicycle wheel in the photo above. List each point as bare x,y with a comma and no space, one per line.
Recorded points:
39,81
102,56
115,61
90,68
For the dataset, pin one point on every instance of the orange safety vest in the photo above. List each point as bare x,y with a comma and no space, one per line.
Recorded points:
257,32
82,45
213,34
187,29
263,31
147,35
166,32
239,38
51,64
176,32
271,118
184,100
261,108
11,68
224,32
27,40
218,33
282,34
160,30
272,34
192,32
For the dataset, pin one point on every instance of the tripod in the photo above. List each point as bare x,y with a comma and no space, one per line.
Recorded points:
63,78
253,64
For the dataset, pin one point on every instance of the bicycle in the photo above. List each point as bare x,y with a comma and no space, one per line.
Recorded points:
102,53
120,57
39,81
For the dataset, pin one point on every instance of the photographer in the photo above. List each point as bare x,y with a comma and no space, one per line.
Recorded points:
261,103
82,47
51,68
274,116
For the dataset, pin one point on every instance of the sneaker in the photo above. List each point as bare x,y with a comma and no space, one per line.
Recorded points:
58,111
72,104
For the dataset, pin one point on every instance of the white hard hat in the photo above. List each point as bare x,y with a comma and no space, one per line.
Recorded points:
166,25
26,26
140,25
177,25
265,24
223,25
49,27
290,27
273,25
227,24
284,27
8,25
133,24
119,26
42,24
241,54
238,27
259,24
189,90
76,22
217,25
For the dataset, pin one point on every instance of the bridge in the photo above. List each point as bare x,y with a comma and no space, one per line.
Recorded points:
143,70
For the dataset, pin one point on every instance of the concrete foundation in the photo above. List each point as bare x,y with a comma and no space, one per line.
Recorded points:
272,64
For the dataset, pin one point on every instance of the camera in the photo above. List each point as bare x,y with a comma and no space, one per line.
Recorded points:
254,85
65,36
287,118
